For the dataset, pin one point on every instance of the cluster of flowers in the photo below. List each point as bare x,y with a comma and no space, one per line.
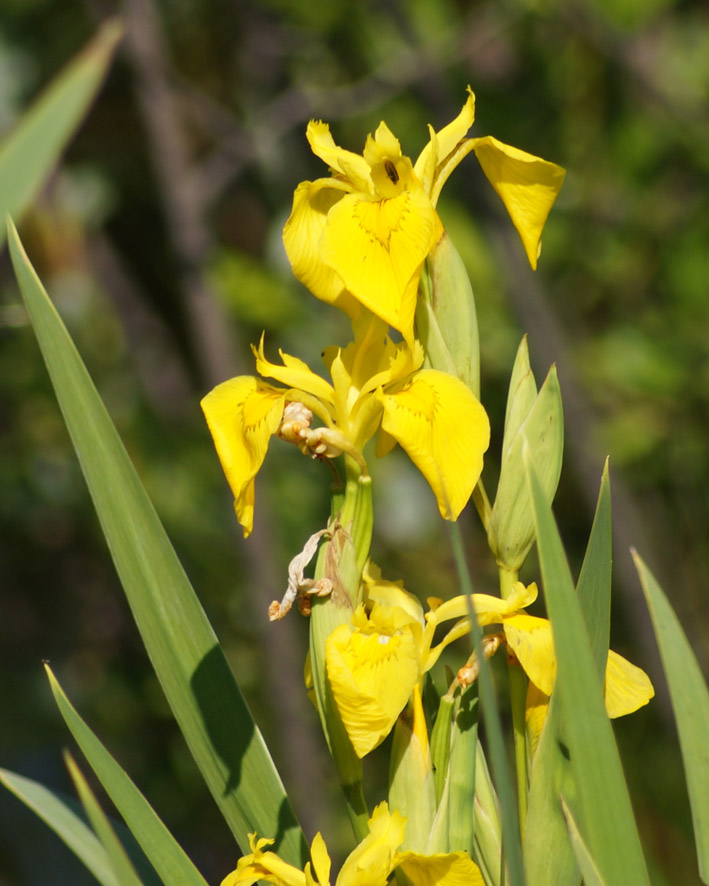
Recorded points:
359,240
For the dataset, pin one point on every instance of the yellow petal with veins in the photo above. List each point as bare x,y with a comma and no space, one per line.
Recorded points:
242,414
530,639
372,677
444,430
295,373
627,687
378,247
350,165
527,185
301,238
451,869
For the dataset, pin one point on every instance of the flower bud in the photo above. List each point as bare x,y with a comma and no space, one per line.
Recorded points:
536,418
446,319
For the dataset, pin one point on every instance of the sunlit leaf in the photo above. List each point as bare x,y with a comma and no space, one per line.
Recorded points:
158,844
605,815
33,148
193,671
117,858
690,703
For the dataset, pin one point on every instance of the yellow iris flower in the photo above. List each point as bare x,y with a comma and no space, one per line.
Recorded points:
369,864
361,236
375,662
376,385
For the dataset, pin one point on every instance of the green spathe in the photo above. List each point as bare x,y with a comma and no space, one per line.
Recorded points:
537,420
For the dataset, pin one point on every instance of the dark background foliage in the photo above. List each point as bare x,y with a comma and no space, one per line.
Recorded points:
159,240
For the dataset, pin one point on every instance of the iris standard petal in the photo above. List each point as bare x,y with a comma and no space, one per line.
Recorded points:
243,414
294,373
378,247
527,185
348,164
444,430
446,139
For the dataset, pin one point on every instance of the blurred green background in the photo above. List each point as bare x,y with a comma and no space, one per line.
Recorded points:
159,240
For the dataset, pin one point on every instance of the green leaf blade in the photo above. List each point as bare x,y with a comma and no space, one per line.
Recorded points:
547,834
33,148
606,818
193,671
690,702
65,823
158,844
118,859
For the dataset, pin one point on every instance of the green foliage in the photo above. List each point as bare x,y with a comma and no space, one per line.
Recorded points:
119,863
77,835
30,153
601,803
157,842
615,92
690,702
186,655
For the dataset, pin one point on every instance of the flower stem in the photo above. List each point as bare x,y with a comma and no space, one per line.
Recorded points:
518,699
493,726
341,560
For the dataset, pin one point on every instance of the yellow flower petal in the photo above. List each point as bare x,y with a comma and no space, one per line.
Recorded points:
301,238
370,863
451,869
444,430
320,859
242,414
372,677
627,687
535,715
391,593
489,609
265,866
530,639
295,373
445,141
352,166
527,185
378,247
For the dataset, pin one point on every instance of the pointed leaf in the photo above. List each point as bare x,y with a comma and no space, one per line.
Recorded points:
590,873
547,834
594,584
690,703
207,704
461,796
158,844
33,148
605,814
77,835
117,858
